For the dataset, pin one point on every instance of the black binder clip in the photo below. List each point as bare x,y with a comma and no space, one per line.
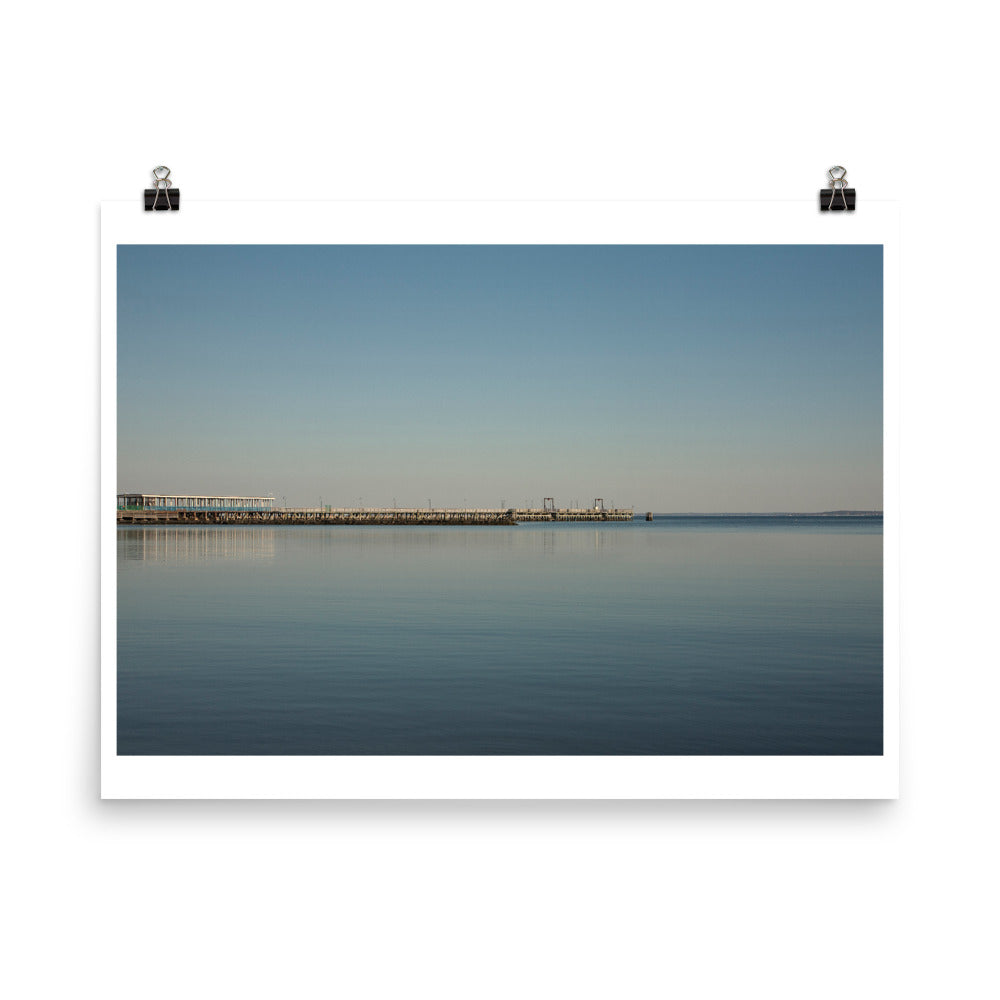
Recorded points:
838,197
164,197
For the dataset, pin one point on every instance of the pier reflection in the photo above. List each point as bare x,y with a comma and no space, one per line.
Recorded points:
199,543
566,538
184,545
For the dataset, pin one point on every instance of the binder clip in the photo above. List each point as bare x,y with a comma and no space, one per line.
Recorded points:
838,197
164,197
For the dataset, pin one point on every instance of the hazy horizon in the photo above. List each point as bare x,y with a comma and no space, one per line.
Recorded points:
672,379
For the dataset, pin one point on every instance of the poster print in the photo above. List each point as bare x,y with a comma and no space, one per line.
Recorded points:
410,508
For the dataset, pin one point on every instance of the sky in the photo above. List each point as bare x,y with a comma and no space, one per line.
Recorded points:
664,378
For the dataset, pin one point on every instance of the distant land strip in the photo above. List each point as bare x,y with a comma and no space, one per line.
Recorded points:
771,513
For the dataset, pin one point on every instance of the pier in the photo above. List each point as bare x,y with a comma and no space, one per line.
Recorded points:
549,512
150,509
572,514
317,515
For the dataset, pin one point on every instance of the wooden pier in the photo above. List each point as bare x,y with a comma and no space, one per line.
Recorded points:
365,515
317,515
572,514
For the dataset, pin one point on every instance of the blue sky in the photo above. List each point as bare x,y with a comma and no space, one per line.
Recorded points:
671,378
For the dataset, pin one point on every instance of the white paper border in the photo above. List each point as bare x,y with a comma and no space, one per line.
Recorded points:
608,222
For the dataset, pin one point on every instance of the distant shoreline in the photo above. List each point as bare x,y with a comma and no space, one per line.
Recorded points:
775,513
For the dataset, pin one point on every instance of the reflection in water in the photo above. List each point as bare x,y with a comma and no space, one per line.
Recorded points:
554,541
567,538
201,542
194,544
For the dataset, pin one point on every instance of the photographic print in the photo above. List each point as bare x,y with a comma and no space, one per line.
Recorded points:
531,500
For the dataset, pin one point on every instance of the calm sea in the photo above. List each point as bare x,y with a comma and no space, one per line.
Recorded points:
684,635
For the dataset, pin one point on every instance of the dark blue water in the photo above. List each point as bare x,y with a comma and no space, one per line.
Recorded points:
699,635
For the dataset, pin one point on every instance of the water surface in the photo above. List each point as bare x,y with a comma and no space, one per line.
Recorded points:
707,635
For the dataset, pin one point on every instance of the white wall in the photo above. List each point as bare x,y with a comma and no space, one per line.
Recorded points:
514,100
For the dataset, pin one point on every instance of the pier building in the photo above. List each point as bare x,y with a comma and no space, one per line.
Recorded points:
180,501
